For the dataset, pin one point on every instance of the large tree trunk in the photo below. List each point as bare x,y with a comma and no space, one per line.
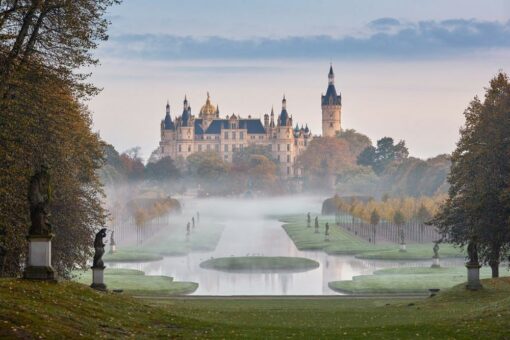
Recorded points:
495,260
495,268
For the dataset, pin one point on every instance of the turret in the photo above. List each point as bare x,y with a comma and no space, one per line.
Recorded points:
284,116
266,120
331,108
167,123
272,117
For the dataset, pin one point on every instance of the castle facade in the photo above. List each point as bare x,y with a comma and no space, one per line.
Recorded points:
187,134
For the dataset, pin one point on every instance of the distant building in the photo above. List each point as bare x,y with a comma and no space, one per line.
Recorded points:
331,104
188,134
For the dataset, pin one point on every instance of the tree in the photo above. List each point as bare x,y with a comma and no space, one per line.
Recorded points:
164,169
367,156
60,34
324,159
477,211
45,123
374,221
399,220
207,166
357,142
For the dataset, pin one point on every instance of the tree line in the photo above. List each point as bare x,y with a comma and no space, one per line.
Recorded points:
43,45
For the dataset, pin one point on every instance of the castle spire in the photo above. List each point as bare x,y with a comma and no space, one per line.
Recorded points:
284,103
167,107
331,75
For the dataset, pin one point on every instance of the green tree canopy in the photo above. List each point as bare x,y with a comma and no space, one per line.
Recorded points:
477,210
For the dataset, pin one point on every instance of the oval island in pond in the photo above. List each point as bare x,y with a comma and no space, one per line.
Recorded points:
260,264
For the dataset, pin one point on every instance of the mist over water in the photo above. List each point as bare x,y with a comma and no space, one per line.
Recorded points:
251,228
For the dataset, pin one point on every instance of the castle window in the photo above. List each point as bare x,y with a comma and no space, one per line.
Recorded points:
241,135
278,147
225,135
288,170
233,135
200,148
226,148
217,147
288,147
278,158
330,124
180,148
288,158
189,148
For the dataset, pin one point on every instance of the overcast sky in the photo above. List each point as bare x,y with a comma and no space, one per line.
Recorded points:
404,70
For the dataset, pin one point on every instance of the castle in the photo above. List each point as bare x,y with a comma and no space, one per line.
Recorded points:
188,134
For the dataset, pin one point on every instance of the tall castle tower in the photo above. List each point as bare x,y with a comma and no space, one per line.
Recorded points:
331,108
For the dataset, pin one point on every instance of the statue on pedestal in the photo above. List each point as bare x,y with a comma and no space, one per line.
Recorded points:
39,197
472,250
99,249
316,224
435,249
112,243
40,232
98,264
473,266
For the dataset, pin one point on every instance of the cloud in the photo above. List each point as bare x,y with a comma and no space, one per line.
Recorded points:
387,38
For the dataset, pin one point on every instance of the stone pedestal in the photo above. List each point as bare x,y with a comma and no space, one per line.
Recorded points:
473,276
98,278
435,262
39,259
403,247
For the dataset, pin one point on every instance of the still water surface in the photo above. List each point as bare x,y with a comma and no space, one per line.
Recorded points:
249,233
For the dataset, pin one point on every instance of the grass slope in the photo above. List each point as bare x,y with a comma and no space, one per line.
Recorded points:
70,310
407,280
135,282
260,263
342,242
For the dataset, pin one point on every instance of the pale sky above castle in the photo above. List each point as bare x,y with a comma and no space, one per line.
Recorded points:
404,70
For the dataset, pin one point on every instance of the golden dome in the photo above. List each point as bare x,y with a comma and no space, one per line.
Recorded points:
208,109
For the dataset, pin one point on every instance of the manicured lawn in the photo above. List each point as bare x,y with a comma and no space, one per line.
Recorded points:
131,255
204,237
70,310
414,252
260,263
407,280
342,242
135,282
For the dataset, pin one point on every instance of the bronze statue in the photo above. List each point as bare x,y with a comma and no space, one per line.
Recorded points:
112,241
39,197
99,248
308,220
436,249
472,250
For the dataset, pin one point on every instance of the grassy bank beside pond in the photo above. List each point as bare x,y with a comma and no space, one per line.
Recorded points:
135,282
407,280
204,237
70,310
414,252
131,255
341,242
260,263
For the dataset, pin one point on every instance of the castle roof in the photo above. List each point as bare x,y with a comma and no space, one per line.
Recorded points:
331,97
251,125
